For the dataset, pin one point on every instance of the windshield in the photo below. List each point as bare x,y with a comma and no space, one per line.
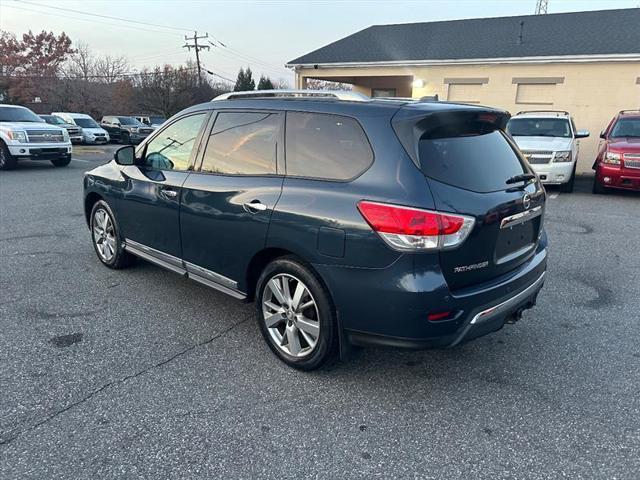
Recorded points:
18,114
86,122
52,119
539,127
129,121
626,127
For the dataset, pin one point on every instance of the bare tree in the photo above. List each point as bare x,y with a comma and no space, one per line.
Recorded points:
110,69
317,84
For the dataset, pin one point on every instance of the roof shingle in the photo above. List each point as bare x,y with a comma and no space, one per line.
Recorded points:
581,33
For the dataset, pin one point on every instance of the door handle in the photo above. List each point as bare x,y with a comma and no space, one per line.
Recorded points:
169,194
255,206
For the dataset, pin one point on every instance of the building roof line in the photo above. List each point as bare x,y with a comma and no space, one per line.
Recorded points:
615,57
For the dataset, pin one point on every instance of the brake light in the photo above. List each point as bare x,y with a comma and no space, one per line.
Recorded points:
407,228
434,317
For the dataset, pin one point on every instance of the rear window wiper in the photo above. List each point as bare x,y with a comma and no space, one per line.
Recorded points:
523,177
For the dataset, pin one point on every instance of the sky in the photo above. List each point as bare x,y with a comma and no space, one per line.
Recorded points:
261,34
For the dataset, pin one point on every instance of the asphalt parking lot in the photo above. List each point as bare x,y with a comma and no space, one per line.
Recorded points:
143,374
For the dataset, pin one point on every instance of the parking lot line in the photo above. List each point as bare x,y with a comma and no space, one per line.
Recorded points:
554,195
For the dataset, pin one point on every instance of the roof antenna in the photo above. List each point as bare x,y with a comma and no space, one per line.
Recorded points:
520,41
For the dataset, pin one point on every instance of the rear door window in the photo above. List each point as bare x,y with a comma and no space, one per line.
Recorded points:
243,143
481,162
325,146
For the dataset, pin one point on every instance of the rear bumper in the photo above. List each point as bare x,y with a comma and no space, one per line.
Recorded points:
616,177
390,306
554,173
488,319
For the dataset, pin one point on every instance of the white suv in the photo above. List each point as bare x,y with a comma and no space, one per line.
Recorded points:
92,132
549,141
23,134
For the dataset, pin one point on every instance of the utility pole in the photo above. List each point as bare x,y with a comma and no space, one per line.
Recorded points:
541,7
197,47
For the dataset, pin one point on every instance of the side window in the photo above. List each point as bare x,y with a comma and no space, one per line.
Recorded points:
324,146
243,143
171,149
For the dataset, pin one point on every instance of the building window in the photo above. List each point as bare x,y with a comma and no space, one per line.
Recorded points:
536,90
464,93
465,90
538,94
383,92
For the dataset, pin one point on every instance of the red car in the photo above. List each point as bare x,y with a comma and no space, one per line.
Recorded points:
618,162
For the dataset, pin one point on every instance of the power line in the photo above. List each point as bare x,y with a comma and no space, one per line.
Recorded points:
105,16
231,51
222,44
26,9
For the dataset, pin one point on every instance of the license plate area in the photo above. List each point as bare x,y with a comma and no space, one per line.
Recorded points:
516,240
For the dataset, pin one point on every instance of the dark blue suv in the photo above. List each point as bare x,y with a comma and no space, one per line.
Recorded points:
348,220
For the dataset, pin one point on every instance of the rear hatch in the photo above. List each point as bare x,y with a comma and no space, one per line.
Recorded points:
468,161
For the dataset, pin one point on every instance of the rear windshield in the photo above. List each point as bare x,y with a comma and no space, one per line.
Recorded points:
479,162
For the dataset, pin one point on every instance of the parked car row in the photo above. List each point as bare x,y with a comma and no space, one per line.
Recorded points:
618,162
549,141
24,135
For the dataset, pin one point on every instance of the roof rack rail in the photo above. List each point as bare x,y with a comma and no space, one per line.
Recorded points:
327,94
636,110
563,112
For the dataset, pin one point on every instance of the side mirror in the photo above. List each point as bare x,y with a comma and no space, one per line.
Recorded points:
602,135
582,134
125,155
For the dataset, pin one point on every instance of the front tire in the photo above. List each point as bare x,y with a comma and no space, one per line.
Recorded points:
106,238
62,161
296,315
568,187
598,189
7,161
125,139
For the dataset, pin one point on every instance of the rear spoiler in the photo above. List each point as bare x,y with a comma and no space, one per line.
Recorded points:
411,122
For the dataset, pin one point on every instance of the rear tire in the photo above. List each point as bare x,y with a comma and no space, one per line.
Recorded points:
297,319
106,239
7,161
62,161
568,187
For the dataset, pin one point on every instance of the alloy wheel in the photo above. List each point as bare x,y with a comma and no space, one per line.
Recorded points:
104,235
291,315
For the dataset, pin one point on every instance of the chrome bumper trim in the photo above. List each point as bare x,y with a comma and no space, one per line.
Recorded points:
521,217
507,304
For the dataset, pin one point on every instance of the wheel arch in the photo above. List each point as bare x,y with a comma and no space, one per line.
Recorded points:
89,201
261,259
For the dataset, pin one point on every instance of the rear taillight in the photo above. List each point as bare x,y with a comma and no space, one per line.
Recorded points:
406,228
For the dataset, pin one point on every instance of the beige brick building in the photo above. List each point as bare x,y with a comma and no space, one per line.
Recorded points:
587,63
